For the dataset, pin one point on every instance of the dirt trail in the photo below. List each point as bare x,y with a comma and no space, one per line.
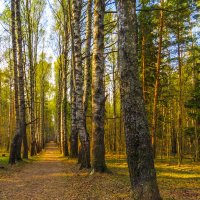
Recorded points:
53,178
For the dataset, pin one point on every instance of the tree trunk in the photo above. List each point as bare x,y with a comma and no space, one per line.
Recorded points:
138,144
98,93
10,127
22,111
85,143
64,111
180,101
114,105
59,99
15,142
42,102
157,84
173,131
32,77
65,75
74,131
87,70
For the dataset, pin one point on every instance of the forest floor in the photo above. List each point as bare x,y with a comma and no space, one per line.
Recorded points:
50,176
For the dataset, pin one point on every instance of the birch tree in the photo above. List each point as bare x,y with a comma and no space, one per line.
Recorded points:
138,145
98,93
22,111
18,136
85,143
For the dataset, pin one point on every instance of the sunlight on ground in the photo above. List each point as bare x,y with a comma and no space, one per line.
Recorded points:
9,180
179,183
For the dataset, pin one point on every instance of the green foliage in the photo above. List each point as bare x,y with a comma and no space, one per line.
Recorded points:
190,132
192,104
43,72
5,17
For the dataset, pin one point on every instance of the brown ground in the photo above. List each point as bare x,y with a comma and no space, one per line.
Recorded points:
54,178
50,176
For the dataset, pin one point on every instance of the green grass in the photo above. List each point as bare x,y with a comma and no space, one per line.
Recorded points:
3,161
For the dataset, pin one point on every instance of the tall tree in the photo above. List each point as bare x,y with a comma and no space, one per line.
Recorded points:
18,136
74,132
87,69
22,111
65,75
156,88
59,96
98,93
85,143
32,78
138,145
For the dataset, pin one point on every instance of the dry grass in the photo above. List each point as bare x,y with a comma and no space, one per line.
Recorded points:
175,182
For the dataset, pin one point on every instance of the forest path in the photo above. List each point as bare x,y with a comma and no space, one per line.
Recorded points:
54,178
45,178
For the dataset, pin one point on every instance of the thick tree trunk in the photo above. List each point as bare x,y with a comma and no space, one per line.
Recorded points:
85,142
15,142
22,111
98,93
138,143
87,71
